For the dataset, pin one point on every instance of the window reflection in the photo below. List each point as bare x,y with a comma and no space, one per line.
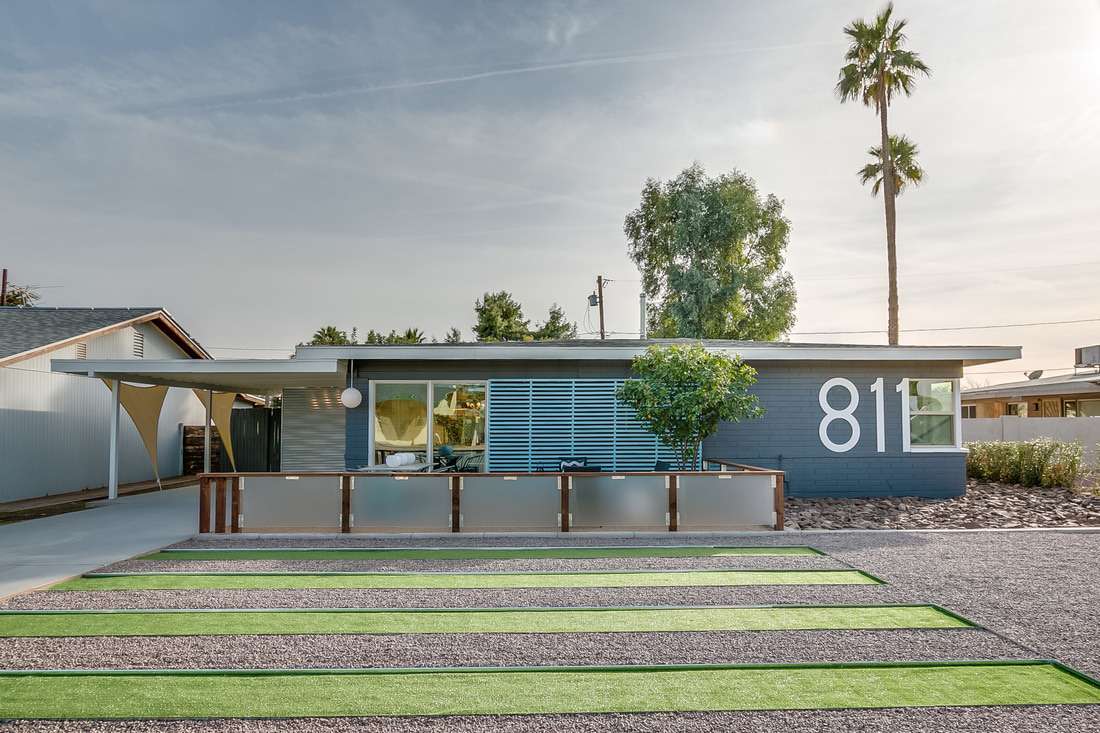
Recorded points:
458,427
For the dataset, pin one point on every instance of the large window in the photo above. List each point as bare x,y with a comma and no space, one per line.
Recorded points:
933,410
1088,408
428,425
400,420
458,426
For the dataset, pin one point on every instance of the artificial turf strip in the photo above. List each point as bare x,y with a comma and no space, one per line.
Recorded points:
328,693
471,621
631,579
477,553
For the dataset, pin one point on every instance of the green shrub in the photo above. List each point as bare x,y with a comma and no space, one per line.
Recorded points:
1042,462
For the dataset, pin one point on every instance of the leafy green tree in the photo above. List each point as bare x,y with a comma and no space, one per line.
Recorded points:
878,67
903,157
329,336
556,327
682,392
500,318
454,336
21,296
711,253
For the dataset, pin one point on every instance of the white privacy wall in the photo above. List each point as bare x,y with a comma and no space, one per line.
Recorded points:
1084,430
54,428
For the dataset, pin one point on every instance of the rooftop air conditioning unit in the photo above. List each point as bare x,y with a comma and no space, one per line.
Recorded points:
1087,356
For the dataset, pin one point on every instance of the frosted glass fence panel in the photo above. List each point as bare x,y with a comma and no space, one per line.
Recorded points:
279,502
527,503
418,503
627,502
725,502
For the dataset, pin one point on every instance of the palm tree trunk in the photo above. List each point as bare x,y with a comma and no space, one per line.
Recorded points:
889,195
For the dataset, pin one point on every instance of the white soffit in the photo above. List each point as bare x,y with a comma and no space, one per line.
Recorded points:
255,376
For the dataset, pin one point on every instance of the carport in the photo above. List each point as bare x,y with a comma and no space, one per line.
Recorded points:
215,383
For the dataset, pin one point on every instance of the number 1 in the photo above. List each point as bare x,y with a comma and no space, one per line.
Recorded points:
880,415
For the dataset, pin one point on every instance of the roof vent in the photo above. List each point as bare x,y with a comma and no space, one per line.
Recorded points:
82,350
139,345
1087,356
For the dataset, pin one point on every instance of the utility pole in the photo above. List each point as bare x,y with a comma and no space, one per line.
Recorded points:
4,289
599,295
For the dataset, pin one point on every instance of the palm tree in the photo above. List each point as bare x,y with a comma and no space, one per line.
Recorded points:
411,336
877,68
329,336
903,156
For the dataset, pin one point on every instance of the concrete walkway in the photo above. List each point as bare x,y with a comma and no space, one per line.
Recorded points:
40,551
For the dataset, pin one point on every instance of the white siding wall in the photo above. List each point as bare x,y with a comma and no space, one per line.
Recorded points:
54,428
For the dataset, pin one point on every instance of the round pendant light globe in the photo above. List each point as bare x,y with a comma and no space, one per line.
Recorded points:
351,398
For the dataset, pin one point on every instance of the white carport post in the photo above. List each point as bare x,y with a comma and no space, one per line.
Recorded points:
206,432
112,464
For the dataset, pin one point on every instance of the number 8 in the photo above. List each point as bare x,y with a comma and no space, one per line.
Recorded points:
847,415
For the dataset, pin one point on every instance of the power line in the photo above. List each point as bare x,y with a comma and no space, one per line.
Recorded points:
949,328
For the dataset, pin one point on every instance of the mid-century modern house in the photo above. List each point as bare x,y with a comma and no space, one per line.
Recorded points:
1063,407
1064,395
52,424
841,420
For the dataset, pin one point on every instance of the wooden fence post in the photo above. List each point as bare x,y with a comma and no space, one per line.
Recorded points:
204,505
673,482
564,483
779,503
345,504
235,505
219,506
456,503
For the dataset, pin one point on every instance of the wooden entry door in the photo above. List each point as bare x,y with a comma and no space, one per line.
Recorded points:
1051,407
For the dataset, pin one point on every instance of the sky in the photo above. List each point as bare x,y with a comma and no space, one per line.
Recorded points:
261,169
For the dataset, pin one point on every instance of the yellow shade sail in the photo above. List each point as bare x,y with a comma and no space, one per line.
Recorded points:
143,405
221,412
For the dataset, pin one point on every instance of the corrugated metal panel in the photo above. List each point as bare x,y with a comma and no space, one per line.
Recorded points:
534,423
313,434
54,428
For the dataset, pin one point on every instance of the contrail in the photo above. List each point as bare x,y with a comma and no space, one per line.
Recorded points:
509,71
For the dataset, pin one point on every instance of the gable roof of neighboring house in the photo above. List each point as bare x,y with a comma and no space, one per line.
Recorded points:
1088,383
27,332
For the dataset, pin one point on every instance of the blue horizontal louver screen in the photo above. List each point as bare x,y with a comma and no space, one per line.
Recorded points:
534,423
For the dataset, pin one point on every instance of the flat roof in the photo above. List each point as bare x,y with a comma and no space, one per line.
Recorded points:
627,349
255,376
1065,384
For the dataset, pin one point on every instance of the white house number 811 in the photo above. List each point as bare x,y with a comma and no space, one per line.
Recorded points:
847,414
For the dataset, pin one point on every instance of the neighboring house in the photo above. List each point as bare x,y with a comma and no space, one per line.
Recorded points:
52,436
1068,395
841,420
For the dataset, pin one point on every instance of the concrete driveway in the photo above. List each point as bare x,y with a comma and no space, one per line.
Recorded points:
40,551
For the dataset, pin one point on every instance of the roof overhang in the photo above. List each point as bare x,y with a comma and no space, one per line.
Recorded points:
1023,390
966,355
253,376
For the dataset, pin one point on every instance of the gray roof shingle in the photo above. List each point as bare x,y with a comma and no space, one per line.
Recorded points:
23,329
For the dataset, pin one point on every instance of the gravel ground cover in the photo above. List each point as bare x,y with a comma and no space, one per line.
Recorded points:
472,553
985,505
425,579
1060,719
467,598
481,650
562,690
1036,588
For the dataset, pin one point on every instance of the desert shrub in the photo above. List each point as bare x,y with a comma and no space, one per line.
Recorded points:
1042,462
1063,466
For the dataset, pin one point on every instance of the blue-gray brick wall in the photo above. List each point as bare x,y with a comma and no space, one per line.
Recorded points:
787,436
